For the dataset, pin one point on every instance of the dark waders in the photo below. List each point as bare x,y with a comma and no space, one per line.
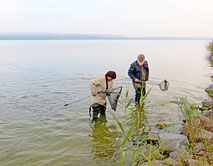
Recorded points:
96,109
138,87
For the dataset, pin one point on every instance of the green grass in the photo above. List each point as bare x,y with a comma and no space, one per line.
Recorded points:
210,47
134,124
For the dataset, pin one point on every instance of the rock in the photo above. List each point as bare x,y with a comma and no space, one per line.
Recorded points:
157,155
209,90
207,123
204,135
207,103
197,148
170,162
184,130
162,125
207,113
153,163
180,155
174,155
210,86
193,162
152,137
173,142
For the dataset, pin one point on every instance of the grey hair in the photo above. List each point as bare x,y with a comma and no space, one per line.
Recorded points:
141,56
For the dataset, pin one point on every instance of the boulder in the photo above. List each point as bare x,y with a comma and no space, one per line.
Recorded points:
173,142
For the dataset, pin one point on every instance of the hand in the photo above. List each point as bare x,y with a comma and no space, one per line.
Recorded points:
137,80
103,91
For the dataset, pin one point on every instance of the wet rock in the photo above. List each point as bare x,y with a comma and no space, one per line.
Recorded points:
173,142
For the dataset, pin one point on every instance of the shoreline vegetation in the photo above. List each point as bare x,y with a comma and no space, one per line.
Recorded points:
191,146
68,36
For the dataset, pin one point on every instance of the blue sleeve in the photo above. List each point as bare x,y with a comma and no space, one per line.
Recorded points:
131,71
147,69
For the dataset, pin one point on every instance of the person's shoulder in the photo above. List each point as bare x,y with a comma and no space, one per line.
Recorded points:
134,63
101,76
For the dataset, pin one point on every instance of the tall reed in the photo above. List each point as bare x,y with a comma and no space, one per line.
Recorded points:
137,118
190,114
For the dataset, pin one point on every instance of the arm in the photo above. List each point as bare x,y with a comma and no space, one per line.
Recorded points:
131,71
147,69
93,84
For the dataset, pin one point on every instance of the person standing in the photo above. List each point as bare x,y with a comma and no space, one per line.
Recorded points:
98,86
139,73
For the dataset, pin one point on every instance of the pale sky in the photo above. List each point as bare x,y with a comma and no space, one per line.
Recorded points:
135,18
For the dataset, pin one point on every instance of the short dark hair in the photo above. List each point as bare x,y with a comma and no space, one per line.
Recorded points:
111,74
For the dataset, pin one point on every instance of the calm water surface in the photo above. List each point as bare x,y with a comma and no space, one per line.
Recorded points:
39,77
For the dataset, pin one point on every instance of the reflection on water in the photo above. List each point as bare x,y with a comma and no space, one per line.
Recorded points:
105,144
39,77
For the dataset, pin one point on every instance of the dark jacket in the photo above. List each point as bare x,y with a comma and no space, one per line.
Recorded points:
136,72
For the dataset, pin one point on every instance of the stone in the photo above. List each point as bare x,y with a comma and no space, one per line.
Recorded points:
170,162
173,142
204,135
207,103
207,123
197,147
153,163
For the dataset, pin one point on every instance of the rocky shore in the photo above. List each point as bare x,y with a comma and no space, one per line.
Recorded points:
193,145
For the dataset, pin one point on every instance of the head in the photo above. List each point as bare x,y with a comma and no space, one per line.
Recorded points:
110,75
141,59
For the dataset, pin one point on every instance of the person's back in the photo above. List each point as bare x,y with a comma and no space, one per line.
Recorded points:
97,87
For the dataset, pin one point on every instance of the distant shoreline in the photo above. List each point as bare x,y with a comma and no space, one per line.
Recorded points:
55,36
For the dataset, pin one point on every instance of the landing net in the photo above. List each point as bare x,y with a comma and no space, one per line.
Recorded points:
113,96
164,85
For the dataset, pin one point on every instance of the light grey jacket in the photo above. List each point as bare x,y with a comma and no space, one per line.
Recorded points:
99,84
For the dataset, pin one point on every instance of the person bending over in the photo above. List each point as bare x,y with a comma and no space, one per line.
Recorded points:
98,86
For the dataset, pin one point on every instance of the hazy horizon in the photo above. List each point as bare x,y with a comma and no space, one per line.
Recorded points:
67,36
124,18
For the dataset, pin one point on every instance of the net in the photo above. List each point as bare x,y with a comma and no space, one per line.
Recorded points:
113,96
164,85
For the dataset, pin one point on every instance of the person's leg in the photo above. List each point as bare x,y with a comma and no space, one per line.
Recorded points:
103,109
137,87
94,110
144,88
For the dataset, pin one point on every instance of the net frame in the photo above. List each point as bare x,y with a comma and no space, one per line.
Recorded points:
113,96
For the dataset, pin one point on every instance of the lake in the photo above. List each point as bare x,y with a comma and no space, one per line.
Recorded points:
39,77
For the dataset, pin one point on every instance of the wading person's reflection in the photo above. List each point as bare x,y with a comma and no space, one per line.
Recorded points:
104,144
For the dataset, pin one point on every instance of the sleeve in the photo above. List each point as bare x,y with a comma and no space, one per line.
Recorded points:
131,71
147,68
93,84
